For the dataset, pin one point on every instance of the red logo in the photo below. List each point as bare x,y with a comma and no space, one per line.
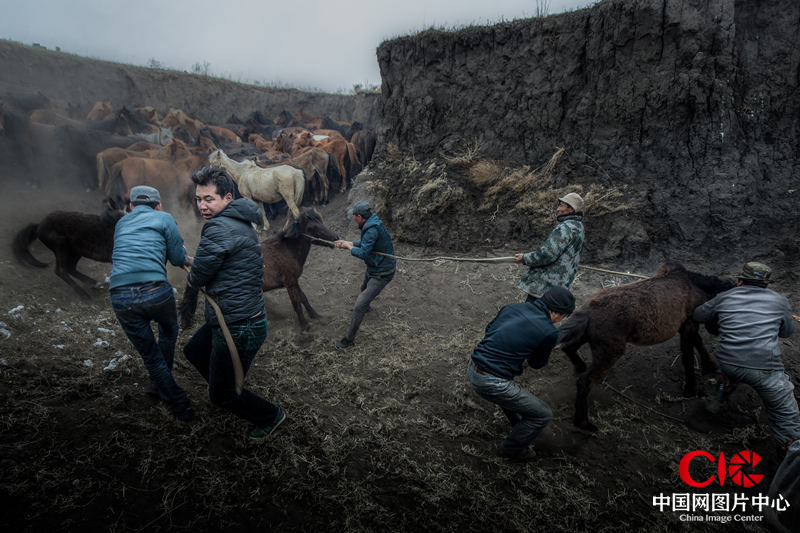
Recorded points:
732,470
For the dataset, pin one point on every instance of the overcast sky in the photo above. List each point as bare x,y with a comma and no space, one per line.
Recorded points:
308,44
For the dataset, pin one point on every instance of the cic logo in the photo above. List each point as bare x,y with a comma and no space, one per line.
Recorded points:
727,469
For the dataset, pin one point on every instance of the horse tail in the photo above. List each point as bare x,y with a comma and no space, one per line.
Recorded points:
352,165
22,242
299,186
101,171
571,332
188,306
333,174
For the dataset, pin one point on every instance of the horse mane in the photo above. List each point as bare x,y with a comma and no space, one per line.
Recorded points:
293,229
711,285
668,268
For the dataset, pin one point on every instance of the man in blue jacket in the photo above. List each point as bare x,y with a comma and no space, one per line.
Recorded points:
144,240
380,268
520,332
230,265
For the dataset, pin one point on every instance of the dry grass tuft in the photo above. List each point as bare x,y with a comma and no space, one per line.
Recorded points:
484,173
467,155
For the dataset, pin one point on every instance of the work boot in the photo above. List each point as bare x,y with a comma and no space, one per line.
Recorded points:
182,412
266,431
344,343
152,390
525,455
714,404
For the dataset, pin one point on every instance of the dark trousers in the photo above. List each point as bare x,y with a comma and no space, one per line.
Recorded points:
371,287
136,306
209,353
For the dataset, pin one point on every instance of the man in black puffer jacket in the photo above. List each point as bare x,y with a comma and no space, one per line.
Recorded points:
229,264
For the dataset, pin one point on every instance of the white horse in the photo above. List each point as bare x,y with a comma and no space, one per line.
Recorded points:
264,184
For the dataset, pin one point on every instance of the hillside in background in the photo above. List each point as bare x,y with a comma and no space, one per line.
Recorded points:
80,82
679,122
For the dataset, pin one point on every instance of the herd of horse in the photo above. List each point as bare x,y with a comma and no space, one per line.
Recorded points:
284,161
645,312
130,147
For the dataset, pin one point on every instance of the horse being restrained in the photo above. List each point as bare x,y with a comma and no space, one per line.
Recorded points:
645,312
285,255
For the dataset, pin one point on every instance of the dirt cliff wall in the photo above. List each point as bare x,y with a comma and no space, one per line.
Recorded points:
80,82
691,106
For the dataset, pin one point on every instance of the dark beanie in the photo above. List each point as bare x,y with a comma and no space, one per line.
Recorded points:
559,300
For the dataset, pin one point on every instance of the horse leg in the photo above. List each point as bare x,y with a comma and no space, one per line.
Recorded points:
571,351
294,295
570,344
287,192
707,363
603,358
311,312
62,272
72,269
690,337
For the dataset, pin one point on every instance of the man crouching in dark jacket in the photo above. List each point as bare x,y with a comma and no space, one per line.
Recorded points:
229,264
519,332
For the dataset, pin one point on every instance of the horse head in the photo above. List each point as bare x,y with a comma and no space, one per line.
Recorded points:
310,224
114,207
710,285
215,157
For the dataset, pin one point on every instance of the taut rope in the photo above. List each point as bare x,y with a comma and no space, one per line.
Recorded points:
509,259
238,372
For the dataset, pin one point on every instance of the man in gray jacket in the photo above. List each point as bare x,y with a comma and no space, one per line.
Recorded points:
144,240
229,264
750,318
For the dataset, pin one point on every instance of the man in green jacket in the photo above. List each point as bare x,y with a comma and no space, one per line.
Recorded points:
555,264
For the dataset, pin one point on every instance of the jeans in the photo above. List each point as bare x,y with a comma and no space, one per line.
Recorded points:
777,392
208,352
136,306
527,413
371,287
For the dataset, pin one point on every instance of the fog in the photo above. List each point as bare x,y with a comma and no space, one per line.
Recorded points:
307,44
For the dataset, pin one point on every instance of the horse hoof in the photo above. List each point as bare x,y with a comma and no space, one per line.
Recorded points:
586,426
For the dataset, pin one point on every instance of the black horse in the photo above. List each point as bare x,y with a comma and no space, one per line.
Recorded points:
645,312
72,235
285,255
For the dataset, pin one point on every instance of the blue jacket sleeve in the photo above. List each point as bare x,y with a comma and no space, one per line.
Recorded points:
176,252
208,259
541,355
363,248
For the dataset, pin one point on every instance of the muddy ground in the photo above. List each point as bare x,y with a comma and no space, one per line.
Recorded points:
385,436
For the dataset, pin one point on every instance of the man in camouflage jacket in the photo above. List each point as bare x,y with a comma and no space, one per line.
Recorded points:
555,264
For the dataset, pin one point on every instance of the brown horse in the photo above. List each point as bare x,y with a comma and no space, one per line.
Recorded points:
70,236
285,254
645,312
